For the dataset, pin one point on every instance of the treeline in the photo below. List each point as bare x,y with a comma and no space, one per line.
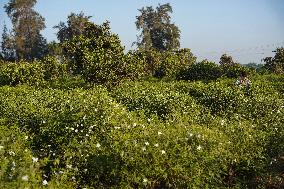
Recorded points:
95,52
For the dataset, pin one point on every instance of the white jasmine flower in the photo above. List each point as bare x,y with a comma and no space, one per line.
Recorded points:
26,137
44,182
35,159
163,151
199,147
69,166
190,134
146,143
143,149
156,145
25,178
159,133
98,145
1,147
43,121
145,180
11,153
76,130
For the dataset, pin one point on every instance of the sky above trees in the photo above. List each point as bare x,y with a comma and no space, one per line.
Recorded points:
247,30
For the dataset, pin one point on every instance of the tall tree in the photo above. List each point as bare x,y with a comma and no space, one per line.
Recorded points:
226,60
157,31
75,26
27,24
275,64
7,48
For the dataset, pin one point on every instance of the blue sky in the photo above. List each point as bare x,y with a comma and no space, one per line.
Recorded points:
246,29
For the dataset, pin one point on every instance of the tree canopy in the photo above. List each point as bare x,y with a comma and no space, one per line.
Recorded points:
7,50
75,26
28,43
226,60
157,30
276,63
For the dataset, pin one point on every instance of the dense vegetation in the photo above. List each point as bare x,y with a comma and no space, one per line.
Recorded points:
151,134
87,114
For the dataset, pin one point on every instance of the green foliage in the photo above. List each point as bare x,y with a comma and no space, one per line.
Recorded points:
34,73
254,66
226,60
26,40
242,117
74,27
97,55
155,100
134,65
207,71
18,170
52,69
20,73
235,70
275,64
166,64
201,71
157,30
7,51
230,68
143,134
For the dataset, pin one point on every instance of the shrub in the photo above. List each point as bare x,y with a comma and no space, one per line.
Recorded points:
34,73
275,64
173,62
148,134
201,71
97,55
52,69
20,73
18,166
166,64
234,70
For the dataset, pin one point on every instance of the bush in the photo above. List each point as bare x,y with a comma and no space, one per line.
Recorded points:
156,100
166,64
275,64
146,134
204,70
97,55
34,73
234,70
18,166
22,72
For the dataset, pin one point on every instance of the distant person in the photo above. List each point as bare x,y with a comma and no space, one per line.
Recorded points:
244,82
